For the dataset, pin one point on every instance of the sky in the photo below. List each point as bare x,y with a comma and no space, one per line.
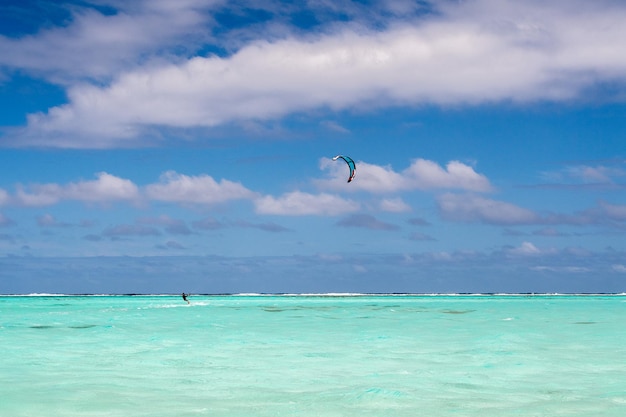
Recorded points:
161,146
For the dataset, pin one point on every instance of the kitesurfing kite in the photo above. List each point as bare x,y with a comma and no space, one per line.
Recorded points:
350,163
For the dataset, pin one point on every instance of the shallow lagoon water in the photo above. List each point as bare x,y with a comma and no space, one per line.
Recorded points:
313,356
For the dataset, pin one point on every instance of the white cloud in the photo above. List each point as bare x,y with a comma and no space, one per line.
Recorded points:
38,195
470,208
106,188
201,189
595,174
473,208
369,177
428,174
469,52
394,205
94,45
589,175
529,250
525,249
422,174
619,268
298,203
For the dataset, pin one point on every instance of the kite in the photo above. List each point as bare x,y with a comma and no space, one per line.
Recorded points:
350,163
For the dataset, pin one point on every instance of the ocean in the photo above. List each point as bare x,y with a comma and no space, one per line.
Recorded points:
314,356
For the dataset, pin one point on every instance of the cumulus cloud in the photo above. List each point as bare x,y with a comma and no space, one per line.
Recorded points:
468,52
94,45
428,174
38,195
172,187
106,188
422,174
201,189
299,203
472,208
394,205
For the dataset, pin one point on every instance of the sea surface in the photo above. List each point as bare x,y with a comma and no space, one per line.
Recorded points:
314,356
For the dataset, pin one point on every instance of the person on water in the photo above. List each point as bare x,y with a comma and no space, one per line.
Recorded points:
185,298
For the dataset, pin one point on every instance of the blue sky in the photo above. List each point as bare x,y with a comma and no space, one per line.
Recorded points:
162,146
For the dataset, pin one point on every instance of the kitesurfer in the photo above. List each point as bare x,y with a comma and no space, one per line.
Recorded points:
185,298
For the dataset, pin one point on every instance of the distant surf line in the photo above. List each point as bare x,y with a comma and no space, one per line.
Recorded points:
322,295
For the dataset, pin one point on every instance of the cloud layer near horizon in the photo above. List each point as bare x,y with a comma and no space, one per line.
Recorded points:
464,205
204,190
471,52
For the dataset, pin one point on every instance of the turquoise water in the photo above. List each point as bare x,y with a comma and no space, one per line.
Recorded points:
313,356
